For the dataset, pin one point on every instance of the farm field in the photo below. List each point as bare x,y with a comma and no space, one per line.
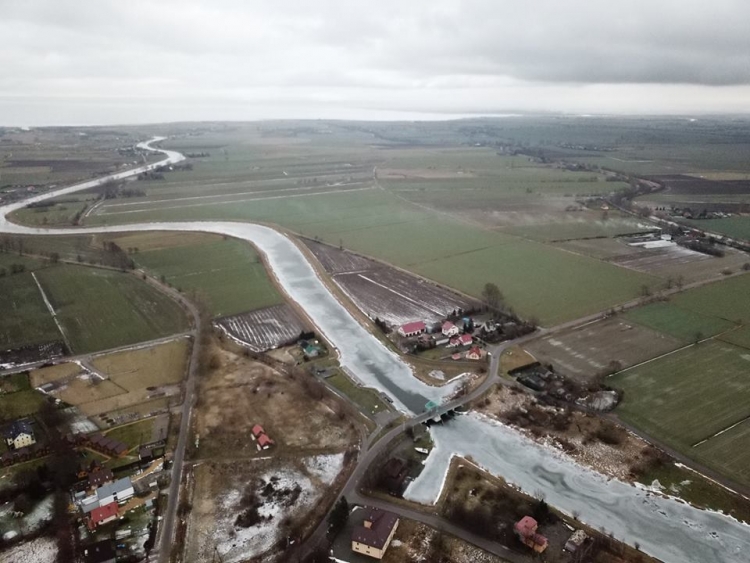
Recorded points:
688,397
227,274
119,381
684,324
387,293
737,227
379,221
18,399
102,309
25,319
585,352
732,448
264,329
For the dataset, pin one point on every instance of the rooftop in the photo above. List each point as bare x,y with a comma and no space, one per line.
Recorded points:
381,526
113,488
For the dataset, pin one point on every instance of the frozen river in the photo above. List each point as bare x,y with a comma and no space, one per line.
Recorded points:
360,353
665,528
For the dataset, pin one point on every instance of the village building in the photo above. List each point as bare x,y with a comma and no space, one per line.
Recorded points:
264,442
575,541
119,491
475,353
449,329
463,340
525,530
100,552
102,515
19,435
375,534
412,329
257,431
100,476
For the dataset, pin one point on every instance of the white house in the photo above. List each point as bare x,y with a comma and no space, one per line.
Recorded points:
449,329
19,435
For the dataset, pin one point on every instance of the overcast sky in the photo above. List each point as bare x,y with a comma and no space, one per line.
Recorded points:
129,61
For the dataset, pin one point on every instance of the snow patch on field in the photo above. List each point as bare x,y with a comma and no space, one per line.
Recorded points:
40,550
325,467
236,543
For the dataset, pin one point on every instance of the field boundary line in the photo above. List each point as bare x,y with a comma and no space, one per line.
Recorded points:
235,194
51,310
151,209
720,432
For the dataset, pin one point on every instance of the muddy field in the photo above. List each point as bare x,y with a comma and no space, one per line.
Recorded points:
245,501
692,185
242,393
263,329
387,293
584,352
31,354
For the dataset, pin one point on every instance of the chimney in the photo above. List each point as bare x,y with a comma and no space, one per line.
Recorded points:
368,524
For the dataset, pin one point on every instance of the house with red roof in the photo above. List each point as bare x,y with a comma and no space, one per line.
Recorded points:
257,431
463,340
525,530
475,353
264,442
102,515
412,329
449,329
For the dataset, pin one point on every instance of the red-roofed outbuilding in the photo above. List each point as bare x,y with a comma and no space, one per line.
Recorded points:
412,329
102,515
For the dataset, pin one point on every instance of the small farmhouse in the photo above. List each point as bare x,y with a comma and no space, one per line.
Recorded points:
475,353
449,329
525,530
412,329
257,431
375,534
19,435
463,340
264,442
102,515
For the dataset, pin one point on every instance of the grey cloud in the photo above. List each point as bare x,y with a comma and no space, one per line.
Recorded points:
450,56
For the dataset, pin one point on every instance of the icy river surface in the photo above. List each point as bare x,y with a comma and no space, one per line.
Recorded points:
665,528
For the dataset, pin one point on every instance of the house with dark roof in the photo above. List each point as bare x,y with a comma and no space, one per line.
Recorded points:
19,435
100,552
99,477
374,536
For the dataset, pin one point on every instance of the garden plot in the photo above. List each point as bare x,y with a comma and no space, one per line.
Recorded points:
585,352
387,293
243,510
263,329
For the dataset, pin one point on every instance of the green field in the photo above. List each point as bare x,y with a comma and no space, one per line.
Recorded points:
25,318
376,223
681,323
134,434
228,274
363,396
17,398
101,309
735,227
689,396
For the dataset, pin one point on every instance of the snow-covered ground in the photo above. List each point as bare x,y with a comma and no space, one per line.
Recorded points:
664,527
236,543
325,467
29,523
40,550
